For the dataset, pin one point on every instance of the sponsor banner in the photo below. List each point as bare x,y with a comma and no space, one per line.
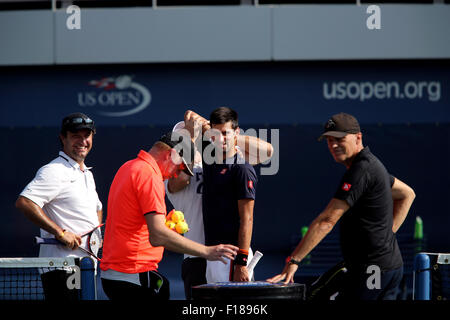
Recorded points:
381,90
262,93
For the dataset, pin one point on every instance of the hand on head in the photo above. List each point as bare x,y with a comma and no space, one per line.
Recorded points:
192,117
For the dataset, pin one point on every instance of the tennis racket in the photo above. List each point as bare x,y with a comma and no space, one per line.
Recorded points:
94,241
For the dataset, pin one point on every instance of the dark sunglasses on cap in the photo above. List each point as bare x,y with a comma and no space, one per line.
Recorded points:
78,121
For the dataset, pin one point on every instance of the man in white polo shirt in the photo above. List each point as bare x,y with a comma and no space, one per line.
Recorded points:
62,200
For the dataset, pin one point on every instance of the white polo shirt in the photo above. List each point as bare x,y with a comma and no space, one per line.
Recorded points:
68,196
189,201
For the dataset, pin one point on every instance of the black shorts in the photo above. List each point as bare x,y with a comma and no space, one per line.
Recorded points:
153,286
193,273
54,284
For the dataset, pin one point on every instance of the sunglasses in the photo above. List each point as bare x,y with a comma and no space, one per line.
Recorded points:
79,121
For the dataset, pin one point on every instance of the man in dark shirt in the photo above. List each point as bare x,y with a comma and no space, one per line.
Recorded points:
229,190
372,204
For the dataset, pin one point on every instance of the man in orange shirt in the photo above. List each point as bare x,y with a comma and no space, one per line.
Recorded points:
136,234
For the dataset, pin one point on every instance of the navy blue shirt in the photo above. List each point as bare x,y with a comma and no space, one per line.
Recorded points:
223,186
366,228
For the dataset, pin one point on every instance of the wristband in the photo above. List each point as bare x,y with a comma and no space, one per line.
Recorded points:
241,259
243,251
291,260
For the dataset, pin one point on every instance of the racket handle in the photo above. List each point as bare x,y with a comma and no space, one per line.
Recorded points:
254,261
39,240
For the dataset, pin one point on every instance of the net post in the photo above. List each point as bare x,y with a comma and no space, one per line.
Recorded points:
422,274
88,281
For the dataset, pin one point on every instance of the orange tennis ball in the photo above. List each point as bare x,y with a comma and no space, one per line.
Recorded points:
177,216
169,215
182,227
170,224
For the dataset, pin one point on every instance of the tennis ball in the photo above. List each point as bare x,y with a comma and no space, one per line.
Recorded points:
177,216
182,227
169,215
170,224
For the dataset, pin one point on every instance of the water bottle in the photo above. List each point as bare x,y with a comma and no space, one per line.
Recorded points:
418,229
418,234
307,259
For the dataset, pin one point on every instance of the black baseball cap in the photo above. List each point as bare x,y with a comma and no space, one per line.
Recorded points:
340,125
77,121
185,150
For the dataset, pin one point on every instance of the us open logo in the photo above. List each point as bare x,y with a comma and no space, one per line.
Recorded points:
115,97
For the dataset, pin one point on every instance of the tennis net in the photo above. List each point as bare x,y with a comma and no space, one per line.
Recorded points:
20,278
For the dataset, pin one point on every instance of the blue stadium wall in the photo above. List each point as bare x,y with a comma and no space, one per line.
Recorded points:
403,107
